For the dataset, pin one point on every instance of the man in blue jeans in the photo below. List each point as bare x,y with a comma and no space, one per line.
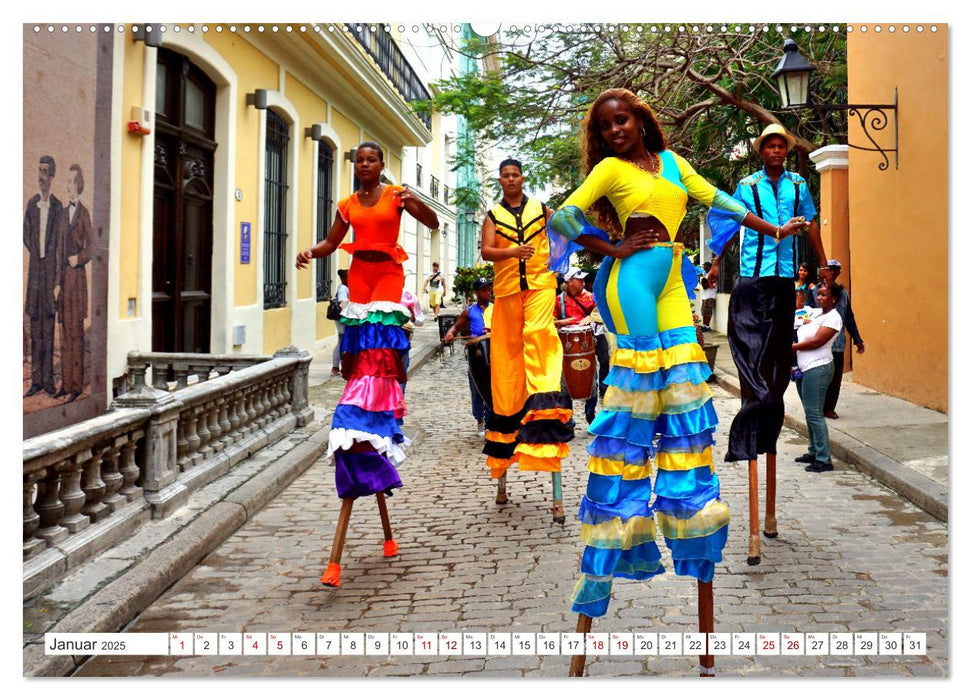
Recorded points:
478,317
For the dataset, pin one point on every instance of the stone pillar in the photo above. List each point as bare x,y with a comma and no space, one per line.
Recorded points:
160,471
833,162
299,384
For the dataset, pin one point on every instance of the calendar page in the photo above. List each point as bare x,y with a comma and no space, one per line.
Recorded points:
268,496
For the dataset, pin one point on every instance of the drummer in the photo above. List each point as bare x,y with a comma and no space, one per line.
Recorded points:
574,307
478,317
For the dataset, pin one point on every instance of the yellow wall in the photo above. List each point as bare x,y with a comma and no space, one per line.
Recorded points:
254,70
898,217
131,165
276,329
312,109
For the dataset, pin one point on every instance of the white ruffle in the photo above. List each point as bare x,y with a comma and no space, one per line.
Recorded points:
344,439
360,311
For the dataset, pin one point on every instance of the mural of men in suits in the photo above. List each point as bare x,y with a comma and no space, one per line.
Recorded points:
75,236
42,221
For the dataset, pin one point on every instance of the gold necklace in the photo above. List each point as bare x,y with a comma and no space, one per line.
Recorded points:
654,165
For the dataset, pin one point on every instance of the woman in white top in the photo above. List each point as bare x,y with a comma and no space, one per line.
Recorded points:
814,355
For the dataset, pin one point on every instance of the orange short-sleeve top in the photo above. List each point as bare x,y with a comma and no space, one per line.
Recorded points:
375,227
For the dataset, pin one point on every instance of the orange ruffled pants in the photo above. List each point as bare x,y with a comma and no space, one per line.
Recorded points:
527,359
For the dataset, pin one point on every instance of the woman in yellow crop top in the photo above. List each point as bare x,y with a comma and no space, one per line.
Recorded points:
657,412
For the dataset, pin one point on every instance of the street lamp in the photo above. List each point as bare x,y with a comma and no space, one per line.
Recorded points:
792,74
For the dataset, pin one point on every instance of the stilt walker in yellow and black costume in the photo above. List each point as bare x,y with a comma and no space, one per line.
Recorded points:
532,417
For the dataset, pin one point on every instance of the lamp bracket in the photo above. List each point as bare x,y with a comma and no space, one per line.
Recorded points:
873,117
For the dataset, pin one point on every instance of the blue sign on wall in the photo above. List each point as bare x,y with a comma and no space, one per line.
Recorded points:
244,242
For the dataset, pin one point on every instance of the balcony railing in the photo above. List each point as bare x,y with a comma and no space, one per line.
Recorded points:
381,47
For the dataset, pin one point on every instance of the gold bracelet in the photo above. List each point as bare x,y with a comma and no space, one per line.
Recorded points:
778,229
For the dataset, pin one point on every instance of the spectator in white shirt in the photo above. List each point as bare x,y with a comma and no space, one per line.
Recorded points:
814,355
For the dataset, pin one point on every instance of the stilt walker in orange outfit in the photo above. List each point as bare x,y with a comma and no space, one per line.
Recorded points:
532,417
366,440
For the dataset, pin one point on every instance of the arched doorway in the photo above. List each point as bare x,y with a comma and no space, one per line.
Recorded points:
185,101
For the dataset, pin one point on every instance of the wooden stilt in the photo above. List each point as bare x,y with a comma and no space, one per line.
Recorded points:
706,624
559,516
754,543
771,528
580,660
501,498
332,576
390,546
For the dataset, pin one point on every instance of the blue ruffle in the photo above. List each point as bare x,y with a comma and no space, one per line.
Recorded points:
593,513
618,449
689,275
381,423
640,562
693,372
724,225
701,569
613,489
678,336
686,443
563,228
640,343
621,425
372,336
641,431
629,380
593,598
689,423
696,551
684,493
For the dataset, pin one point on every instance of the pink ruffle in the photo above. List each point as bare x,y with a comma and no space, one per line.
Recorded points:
375,394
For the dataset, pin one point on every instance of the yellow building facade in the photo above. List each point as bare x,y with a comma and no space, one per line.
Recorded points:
898,217
304,89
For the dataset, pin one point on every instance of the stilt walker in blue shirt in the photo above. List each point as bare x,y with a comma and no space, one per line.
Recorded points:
760,315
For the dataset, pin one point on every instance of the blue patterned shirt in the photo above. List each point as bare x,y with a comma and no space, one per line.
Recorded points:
762,256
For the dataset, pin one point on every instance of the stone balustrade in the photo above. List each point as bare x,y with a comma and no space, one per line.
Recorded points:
173,371
89,486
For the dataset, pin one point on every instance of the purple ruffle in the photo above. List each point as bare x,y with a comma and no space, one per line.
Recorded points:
363,474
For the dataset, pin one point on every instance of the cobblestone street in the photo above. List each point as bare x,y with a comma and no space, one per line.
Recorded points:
851,556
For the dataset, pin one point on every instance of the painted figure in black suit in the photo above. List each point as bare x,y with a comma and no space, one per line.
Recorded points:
73,306
42,225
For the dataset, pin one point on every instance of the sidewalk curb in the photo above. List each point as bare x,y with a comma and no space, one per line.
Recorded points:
925,493
121,601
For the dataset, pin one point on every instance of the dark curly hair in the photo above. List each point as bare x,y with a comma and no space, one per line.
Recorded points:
594,149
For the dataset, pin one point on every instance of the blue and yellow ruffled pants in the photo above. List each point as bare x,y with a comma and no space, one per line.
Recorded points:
657,422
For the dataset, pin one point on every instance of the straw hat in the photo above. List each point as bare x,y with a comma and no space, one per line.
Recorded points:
775,130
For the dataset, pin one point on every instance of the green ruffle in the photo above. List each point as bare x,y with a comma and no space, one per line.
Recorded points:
387,318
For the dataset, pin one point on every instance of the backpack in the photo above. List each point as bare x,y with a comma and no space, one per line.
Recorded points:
334,310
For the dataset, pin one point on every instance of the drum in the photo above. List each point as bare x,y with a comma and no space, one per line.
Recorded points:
579,360
480,366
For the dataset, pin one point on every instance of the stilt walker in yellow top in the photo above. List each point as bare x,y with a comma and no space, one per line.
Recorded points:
532,417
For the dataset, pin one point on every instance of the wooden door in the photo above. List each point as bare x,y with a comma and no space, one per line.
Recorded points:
182,228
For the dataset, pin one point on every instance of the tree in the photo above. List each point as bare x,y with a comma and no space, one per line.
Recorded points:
709,86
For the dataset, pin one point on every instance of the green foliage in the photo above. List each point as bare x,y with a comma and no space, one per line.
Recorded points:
465,277
711,92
